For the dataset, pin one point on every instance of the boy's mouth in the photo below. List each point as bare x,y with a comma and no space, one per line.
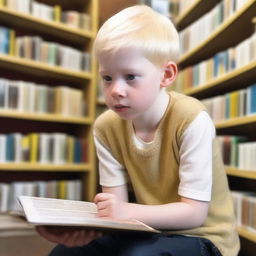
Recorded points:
120,107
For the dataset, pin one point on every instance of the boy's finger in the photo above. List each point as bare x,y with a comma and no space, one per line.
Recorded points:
101,197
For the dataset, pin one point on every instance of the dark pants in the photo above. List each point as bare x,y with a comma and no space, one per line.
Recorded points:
141,244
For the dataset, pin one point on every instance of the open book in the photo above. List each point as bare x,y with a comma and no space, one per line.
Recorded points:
59,212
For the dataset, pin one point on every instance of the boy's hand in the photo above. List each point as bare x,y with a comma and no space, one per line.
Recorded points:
70,237
109,205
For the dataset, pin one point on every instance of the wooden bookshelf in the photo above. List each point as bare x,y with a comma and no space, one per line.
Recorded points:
236,122
248,174
193,12
235,79
28,70
222,37
41,69
14,18
45,167
245,233
46,117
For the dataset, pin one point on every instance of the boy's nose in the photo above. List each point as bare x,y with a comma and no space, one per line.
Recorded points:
118,90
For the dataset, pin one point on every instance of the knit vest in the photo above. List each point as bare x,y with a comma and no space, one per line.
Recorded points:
154,171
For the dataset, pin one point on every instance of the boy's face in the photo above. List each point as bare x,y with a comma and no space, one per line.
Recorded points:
131,83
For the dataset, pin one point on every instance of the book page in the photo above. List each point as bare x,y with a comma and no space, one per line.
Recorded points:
47,211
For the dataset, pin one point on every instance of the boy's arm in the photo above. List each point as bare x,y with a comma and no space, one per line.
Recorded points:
120,191
187,213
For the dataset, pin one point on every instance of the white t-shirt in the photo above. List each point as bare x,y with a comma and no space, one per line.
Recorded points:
195,169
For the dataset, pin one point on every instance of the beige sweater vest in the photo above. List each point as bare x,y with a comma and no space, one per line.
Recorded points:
154,172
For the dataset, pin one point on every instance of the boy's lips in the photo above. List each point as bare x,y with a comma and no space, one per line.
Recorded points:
120,107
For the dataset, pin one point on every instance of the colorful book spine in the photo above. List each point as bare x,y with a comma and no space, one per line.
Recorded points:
33,141
57,13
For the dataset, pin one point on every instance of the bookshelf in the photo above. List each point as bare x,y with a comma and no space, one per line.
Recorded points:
15,68
42,69
219,40
19,19
247,234
236,122
248,174
222,83
195,10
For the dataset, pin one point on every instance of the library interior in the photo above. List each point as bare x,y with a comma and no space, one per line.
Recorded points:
51,94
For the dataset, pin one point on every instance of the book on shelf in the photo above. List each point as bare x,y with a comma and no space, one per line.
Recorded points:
51,53
245,209
4,197
29,97
55,13
237,151
219,65
43,148
202,28
64,189
59,212
234,104
36,49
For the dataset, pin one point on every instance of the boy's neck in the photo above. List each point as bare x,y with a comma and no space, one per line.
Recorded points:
146,126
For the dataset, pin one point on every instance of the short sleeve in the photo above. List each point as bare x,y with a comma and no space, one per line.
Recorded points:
195,169
111,172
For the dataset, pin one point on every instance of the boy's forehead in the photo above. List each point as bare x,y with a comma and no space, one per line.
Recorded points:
123,56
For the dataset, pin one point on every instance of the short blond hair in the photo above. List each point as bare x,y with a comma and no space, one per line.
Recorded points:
142,28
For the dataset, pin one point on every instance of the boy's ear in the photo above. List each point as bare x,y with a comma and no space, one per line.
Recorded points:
170,74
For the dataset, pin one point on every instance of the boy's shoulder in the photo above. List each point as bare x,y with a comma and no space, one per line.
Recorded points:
183,110
183,103
106,119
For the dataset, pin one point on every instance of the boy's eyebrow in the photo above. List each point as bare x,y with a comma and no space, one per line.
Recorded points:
125,70
130,70
102,72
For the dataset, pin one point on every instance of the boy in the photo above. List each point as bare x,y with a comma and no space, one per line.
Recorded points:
161,143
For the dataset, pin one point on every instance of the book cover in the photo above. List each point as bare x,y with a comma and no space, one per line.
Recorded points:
59,148
3,146
74,190
3,88
13,95
234,104
17,147
52,189
33,144
12,42
77,151
4,195
57,13
4,40
9,147
253,97
70,149
2,2
44,148
25,150
62,189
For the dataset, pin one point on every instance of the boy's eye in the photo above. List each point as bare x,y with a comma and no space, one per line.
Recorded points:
107,78
130,77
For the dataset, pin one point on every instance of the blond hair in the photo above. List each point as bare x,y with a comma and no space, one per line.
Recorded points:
140,27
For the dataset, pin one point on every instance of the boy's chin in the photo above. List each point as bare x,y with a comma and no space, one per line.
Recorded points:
124,116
